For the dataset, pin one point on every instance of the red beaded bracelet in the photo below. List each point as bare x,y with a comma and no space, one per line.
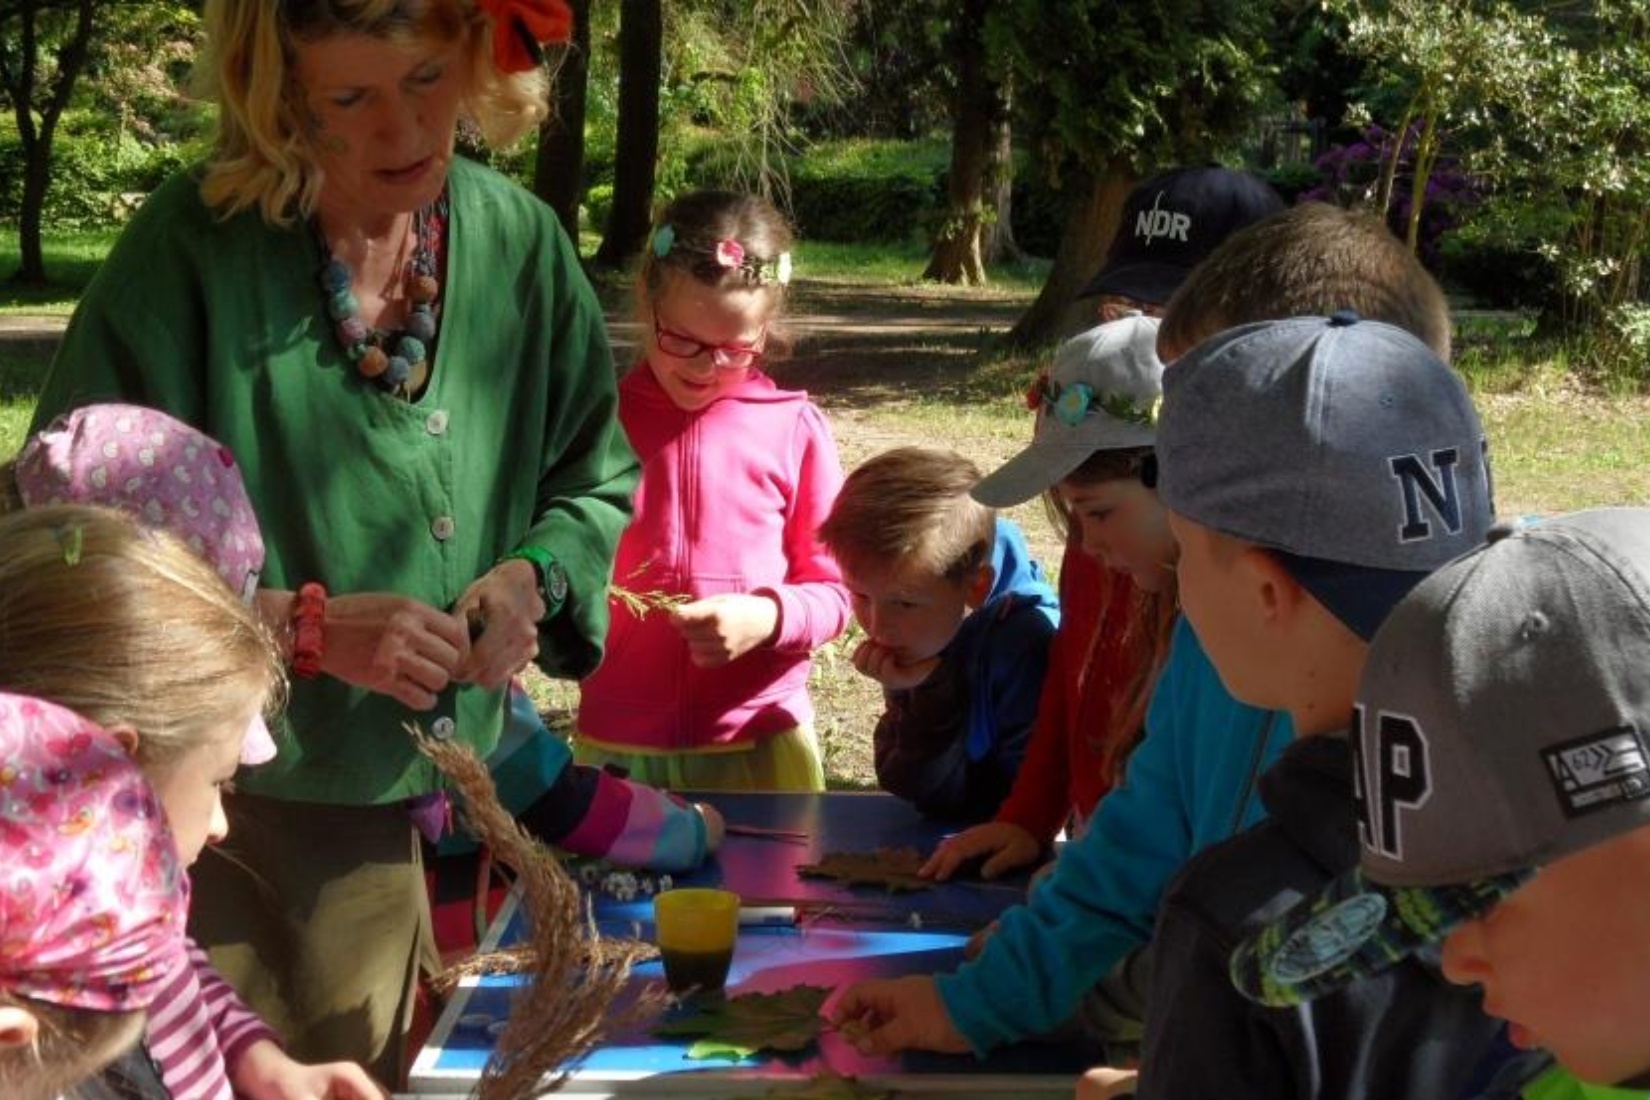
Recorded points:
309,640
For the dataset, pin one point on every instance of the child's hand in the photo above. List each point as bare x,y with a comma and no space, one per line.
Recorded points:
715,828
721,629
1002,844
880,663
1105,1083
896,1014
264,1072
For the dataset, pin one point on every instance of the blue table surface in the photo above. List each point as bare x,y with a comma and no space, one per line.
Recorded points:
862,933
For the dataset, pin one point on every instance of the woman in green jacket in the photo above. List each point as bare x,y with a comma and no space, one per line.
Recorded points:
400,349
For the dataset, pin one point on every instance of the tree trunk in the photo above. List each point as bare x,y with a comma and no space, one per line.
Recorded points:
1000,245
1091,221
37,140
641,51
558,166
956,257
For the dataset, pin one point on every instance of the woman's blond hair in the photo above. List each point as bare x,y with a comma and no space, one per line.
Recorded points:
262,153
72,1044
127,626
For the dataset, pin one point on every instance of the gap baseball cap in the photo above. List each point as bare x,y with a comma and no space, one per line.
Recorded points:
1501,725
1171,223
1101,394
1344,446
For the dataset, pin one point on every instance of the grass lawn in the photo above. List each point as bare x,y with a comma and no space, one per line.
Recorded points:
894,361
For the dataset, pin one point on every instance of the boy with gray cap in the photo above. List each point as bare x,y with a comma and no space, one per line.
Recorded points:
1503,784
1314,470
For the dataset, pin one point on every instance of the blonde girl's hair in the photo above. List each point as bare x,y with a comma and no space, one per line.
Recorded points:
128,626
1150,620
72,1045
262,154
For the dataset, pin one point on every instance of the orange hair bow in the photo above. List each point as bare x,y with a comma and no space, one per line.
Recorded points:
521,26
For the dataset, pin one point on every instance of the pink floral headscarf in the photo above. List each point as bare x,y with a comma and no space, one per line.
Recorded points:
165,474
92,900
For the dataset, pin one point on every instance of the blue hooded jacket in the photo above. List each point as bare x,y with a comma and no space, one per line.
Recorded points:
953,744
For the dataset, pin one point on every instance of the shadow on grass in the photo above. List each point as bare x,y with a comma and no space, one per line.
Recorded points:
23,368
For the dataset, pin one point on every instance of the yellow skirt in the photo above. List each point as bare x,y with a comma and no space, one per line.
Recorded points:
785,761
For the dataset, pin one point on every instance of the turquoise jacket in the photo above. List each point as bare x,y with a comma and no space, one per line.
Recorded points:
1189,784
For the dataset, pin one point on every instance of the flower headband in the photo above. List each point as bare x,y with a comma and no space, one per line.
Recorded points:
727,254
1069,404
520,27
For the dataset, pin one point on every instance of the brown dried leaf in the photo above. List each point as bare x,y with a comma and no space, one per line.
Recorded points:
894,869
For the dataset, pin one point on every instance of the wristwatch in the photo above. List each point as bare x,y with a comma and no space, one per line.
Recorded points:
551,576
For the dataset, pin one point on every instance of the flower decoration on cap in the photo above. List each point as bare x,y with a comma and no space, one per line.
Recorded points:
1070,404
664,238
521,27
730,253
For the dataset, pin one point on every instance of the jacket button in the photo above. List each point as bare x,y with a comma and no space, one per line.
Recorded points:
442,528
443,727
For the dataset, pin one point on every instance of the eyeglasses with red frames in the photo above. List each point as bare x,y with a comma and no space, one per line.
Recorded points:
725,356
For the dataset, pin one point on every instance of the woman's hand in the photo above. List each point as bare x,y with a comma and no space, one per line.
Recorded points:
894,1014
506,604
881,664
393,645
1003,845
265,1072
721,629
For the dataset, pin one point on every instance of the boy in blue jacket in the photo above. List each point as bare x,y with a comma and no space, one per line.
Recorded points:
958,620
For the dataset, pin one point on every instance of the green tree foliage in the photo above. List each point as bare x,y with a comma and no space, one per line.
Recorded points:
1551,105
1107,91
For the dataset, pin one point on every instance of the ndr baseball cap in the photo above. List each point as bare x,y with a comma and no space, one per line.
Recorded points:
1171,223
1501,725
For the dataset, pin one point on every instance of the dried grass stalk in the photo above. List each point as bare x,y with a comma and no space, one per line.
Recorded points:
640,604
513,960
569,1006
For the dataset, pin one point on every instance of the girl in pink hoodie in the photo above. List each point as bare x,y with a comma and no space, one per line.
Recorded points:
705,680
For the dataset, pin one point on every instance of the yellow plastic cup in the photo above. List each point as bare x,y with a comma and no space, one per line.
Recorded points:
696,931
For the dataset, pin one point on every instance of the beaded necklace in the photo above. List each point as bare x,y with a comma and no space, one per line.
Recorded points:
398,361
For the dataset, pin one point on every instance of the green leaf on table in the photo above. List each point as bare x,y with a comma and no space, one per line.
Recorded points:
894,869
737,1027
829,1086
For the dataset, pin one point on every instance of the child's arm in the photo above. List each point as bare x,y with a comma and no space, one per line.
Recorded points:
920,745
813,604
592,812
1098,904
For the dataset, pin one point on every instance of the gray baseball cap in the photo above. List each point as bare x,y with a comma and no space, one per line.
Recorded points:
1344,445
1502,724
1100,395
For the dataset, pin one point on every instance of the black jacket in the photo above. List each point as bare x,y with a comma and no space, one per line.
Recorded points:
1406,1033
